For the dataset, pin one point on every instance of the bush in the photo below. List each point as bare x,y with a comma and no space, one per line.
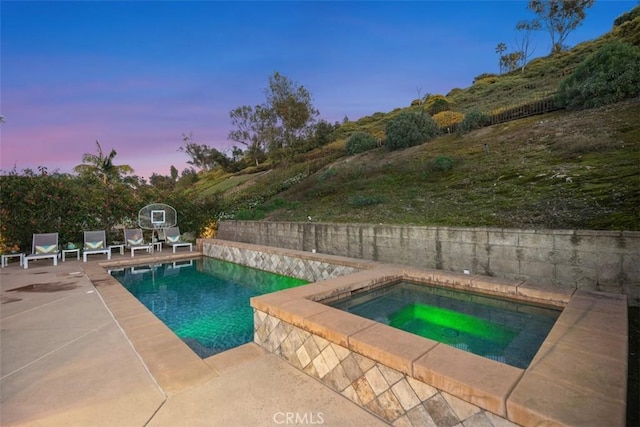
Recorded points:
474,119
448,119
627,17
610,75
442,163
410,128
628,32
437,103
484,77
360,142
486,80
362,201
256,214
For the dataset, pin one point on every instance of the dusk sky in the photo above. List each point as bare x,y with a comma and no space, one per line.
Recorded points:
137,75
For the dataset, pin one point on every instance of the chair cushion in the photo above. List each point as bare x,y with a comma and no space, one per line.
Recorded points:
46,249
173,239
135,242
95,245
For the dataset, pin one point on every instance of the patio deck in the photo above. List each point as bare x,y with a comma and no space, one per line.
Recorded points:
66,361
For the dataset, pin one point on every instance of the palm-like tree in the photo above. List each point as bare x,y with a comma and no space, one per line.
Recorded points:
102,166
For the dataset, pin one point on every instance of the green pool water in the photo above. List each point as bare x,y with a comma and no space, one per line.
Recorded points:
504,330
204,301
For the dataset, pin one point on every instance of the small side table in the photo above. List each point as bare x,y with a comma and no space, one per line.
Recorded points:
157,246
70,251
121,247
5,258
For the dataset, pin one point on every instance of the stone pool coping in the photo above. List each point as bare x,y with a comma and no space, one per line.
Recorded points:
577,377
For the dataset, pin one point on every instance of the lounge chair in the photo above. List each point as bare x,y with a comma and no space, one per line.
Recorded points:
134,240
172,238
95,242
43,245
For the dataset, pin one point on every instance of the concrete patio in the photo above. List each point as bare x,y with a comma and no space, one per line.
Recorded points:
65,360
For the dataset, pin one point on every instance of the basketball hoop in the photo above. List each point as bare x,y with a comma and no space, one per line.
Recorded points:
157,215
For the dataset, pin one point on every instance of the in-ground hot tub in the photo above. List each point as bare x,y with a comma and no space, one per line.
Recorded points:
500,329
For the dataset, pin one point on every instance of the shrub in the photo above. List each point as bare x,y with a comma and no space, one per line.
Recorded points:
483,77
448,119
627,17
437,103
359,142
486,80
442,163
327,174
410,128
474,119
610,75
628,32
250,214
362,201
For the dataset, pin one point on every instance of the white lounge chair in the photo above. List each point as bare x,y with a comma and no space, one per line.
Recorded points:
95,242
134,240
172,238
43,245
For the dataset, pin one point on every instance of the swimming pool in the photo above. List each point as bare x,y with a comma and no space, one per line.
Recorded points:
499,329
203,301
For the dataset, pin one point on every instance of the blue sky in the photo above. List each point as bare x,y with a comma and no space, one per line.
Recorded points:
137,75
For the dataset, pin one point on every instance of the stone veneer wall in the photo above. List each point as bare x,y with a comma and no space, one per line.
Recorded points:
281,263
388,393
583,259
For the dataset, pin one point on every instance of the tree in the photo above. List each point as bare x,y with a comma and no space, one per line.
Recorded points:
323,133
523,43
511,61
294,113
500,49
200,154
558,17
254,129
282,126
161,182
102,166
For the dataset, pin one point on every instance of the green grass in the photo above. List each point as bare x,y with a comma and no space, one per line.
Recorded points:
540,172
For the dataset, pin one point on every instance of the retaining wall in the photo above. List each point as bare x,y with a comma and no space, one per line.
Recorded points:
581,259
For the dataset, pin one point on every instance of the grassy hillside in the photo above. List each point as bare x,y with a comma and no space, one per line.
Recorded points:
561,170
566,169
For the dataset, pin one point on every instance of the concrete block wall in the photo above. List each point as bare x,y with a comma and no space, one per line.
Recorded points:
583,259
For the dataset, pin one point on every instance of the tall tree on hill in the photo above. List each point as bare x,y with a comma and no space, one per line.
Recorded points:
500,49
294,113
523,42
254,129
281,126
558,17
206,158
